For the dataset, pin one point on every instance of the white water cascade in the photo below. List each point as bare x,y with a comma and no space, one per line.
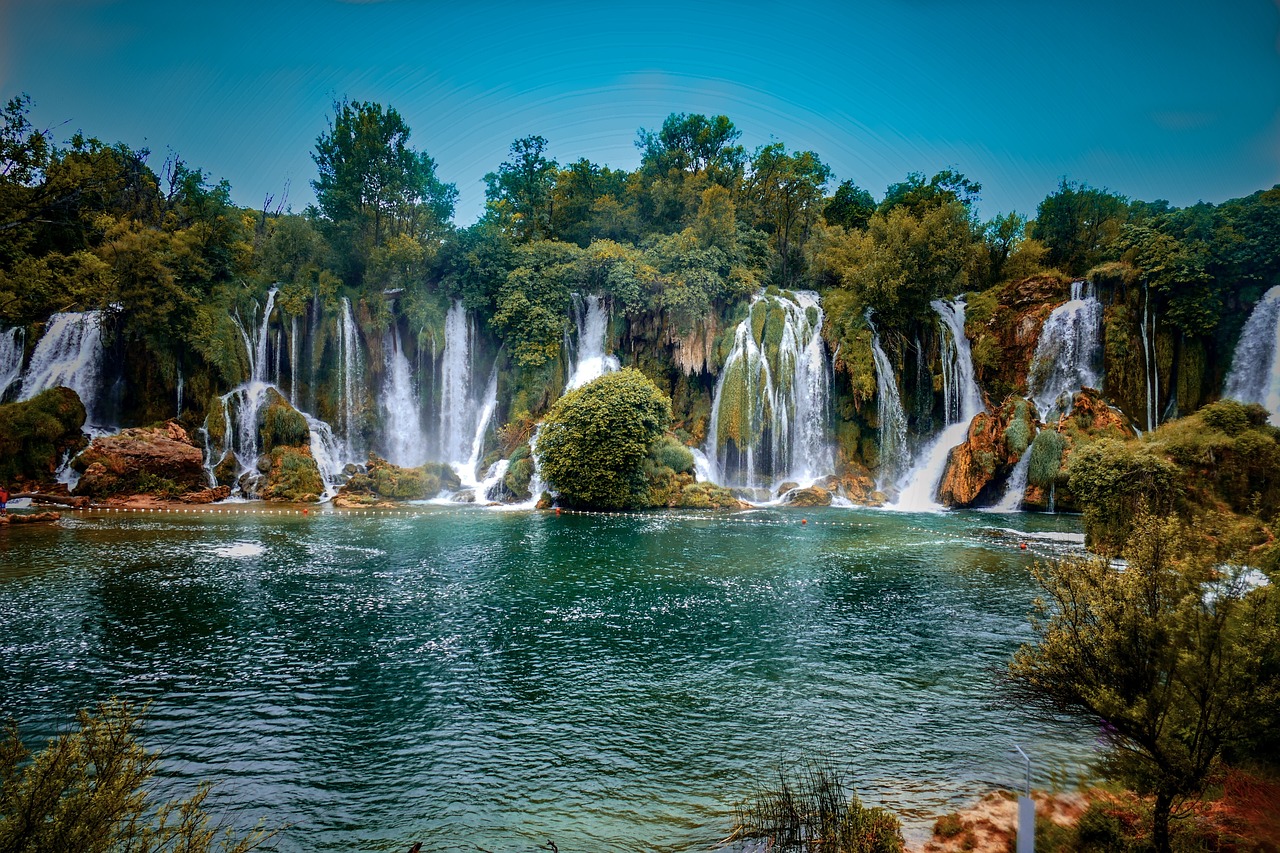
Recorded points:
242,407
1255,366
1151,370
770,410
70,354
962,400
1016,489
1068,355
591,361
352,373
12,344
406,446
465,411
893,420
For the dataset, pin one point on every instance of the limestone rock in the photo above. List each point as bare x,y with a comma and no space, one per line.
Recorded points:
159,460
207,496
978,470
29,518
812,496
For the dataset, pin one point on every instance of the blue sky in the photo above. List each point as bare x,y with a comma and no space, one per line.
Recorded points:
1151,99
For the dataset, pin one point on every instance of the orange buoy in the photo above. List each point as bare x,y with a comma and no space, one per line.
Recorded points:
306,512
804,521
1023,546
557,510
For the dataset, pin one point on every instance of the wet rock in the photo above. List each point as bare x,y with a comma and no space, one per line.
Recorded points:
786,487
207,496
29,517
978,470
812,496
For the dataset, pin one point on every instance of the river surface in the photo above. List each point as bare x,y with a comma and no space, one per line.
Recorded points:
484,679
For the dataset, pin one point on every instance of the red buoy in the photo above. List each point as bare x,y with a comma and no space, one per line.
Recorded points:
557,510
804,521
1023,546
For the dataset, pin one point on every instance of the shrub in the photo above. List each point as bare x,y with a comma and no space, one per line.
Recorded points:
283,425
813,810
1046,457
668,452
294,476
1112,481
36,433
595,439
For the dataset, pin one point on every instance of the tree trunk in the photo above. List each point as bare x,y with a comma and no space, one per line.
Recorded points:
1160,822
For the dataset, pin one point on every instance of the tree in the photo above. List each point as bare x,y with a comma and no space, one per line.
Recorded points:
1076,223
88,791
919,196
850,207
694,144
372,185
1174,658
595,439
787,191
520,192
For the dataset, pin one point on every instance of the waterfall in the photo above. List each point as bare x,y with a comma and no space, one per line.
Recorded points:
69,354
1255,366
349,345
465,410
293,361
962,400
1150,368
405,444
469,473
592,319
893,420
12,346
179,409
1068,355
1015,490
770,409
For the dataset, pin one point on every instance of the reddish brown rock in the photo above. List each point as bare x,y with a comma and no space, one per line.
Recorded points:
29,517
207,496
977,470
142,460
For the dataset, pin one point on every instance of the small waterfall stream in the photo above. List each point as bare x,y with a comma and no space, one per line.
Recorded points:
893,420
352,377
770,409
962,400
1068,355
1255,366
70,354
1015,490
591,361
12,346
1150,369
465,411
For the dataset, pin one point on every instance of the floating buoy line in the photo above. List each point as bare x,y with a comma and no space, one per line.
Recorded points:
436,511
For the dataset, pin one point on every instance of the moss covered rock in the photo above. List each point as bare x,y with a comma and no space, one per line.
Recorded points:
159,461
35,435
383,481
294,477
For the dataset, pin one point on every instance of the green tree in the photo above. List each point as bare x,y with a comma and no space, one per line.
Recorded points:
532,304
520,192
1077,223
372,185
787,192
850,207
1176,660
919,196
89,790
595,439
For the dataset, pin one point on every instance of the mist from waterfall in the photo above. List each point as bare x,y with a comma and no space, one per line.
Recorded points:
406,445
465,410
1255,366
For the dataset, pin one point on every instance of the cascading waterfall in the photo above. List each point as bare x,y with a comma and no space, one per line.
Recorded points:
1151,370
70,354
242,407
349,344
893,420
405,443
1068,355
962,400
1255,366
464,413
1015,490
12,346
293,361
592,362
469,473
770,410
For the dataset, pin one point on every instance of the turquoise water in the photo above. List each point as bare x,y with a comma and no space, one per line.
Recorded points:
471,678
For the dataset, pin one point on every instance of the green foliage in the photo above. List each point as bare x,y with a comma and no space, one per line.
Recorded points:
850,207
668,452
706,496
294,476
519,194
1177,660
372,186
787,191
1077,223
36,433
91,790
283,425
813,809
1017,435
1046,457
1113,481
151,484
533,303
519,473
595,439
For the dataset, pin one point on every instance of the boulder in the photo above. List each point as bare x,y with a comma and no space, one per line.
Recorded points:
812,496
207,496
145,460
383,481
29,517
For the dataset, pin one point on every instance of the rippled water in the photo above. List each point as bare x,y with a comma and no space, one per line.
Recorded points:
469,678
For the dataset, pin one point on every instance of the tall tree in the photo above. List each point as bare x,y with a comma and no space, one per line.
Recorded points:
1077,223
520,192
850,207
372,185
1176,662
787,191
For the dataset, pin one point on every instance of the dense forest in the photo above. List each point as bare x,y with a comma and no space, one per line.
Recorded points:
701,236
